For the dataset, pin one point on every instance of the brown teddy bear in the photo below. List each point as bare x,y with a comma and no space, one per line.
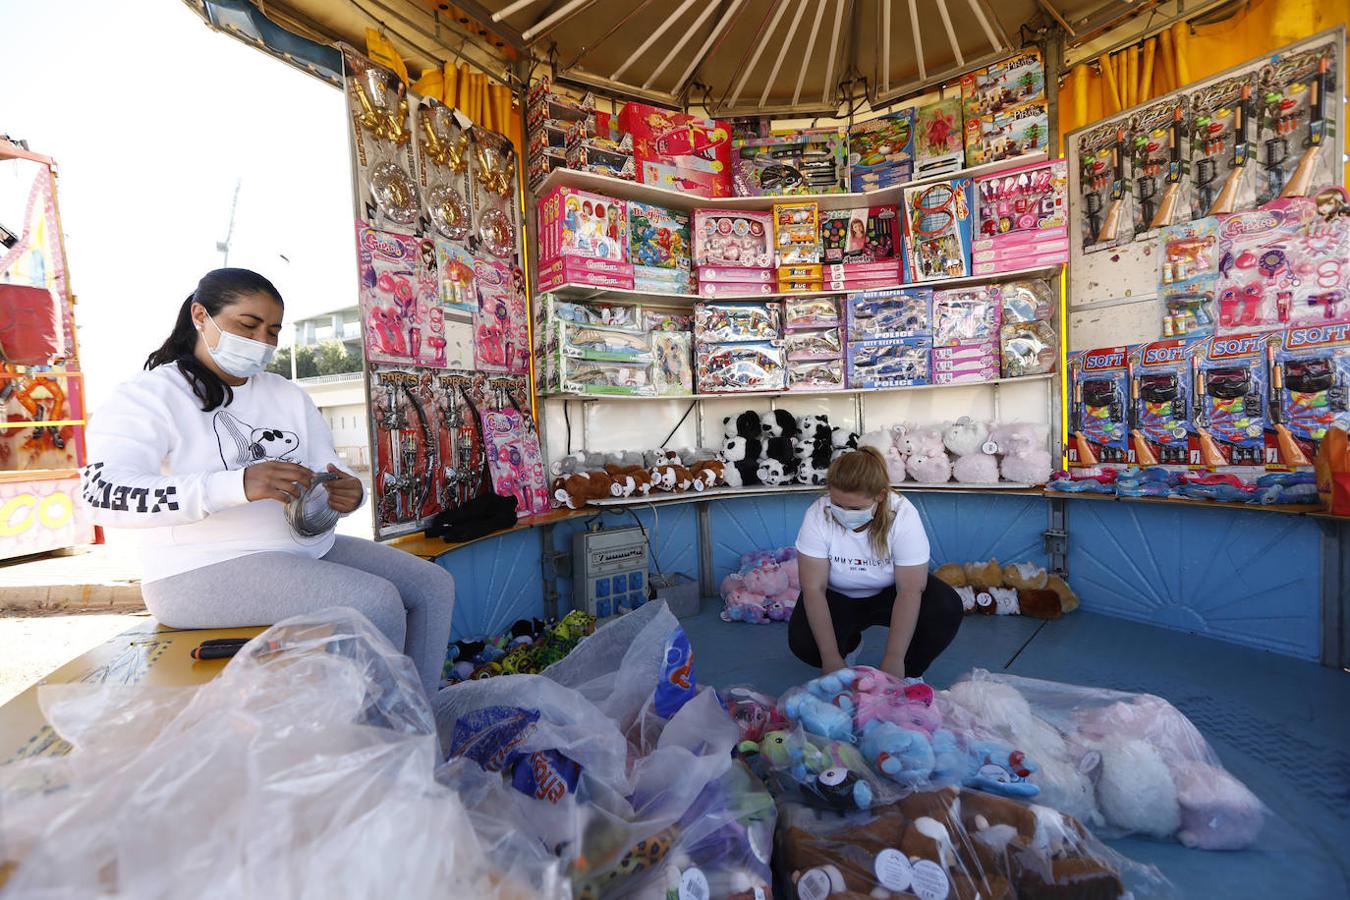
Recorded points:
1024,576
710,471
684,479
1068,600
953,574
984,575
1041,603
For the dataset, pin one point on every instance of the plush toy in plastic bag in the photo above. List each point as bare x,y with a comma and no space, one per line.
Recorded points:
304,770
1130,763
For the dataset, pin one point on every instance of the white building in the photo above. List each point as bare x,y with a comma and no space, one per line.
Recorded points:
341,398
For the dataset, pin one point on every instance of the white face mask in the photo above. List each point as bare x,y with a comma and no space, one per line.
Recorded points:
237,355
852,518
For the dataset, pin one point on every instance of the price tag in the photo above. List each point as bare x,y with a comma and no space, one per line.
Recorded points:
930,881
894,871
693,885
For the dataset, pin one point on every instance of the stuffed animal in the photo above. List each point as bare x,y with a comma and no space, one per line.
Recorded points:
922,442
820,717
814,428
570,464
742,458
779,449
1005,601
574,491
953,574
664,478
965,436
929,469
1025,576
746,425
883,442
976,468
967,595
626,459
1025,457
644,481
709,472
771,472
1039,603
842,441
984,575
1068,600
684,480
661,457
779,423
692,456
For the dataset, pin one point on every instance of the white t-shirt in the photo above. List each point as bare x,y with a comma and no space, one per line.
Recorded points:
159,463
855,568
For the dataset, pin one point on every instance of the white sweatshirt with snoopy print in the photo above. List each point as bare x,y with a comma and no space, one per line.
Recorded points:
158,462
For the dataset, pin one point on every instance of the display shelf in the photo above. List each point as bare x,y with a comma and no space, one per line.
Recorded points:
1295,509
759,490
584,292
645,193
844,392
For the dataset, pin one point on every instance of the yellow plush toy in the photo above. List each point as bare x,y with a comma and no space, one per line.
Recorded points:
953,574
984,575
1068,600
1024,576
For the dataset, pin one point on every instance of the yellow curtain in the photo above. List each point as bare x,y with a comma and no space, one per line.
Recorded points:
1177,57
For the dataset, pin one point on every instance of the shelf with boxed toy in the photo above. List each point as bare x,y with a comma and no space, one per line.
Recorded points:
765,395
795,162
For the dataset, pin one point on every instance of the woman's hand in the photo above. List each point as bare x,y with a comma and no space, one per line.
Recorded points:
830,664
894,665
276,480
344,492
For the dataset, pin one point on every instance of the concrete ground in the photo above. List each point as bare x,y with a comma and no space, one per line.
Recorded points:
34,644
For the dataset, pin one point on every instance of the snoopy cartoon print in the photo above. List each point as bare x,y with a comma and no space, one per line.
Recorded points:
242,445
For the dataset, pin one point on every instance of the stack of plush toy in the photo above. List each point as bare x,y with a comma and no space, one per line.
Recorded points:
1160,481
763,589
780,448
584,476
527,647
1024,589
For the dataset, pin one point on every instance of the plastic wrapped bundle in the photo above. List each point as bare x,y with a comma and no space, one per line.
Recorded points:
304,770
1129,763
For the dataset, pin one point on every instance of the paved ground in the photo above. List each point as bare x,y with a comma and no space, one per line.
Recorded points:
34,644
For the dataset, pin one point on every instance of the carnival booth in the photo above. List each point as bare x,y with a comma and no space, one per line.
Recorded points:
631,276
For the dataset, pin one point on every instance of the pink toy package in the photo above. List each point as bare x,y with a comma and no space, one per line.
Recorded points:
400,299
737,238
501,343
513,457
740,274
1022,218
679,152
575,223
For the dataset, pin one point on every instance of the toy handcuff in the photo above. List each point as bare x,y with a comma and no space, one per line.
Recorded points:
309,515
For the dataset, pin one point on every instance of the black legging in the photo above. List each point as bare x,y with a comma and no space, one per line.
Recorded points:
940,615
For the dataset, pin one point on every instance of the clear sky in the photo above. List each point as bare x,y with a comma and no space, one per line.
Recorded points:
152,119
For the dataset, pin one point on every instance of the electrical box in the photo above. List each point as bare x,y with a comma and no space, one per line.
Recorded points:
609,571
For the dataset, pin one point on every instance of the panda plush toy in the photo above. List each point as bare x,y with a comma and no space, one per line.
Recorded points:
742,458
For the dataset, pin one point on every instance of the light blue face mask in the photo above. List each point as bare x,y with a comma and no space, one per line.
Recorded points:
237,355
852,519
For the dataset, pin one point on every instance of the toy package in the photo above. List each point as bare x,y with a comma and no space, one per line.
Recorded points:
667,320
811,312
614,315
1222,128
400,299
1298,97
819,375
814,344
588,152
496,226
1161,393
938,230
938,146
881,151
1228,412
730,368
1028,300
1190,274
584,376
891,313
1099,380
796,230
894,362
737,238
736,274
735,290
1021,219
454,271
730,322
442,168
1309,391
1028,348
967,314
602,343
578,223
651,280
658,237
1012,132
1160,147
1106,207
994,89
967,362
679,152
798,162
382,152
501,336
864,235
673,366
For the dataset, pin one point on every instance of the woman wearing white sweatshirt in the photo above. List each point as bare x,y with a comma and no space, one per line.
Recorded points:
203,450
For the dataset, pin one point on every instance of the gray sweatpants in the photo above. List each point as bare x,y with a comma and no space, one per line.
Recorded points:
407,598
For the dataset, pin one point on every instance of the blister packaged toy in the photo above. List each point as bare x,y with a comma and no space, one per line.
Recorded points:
583,376
1160,146
599,342
502,342
938,143
667,320
1028,348
1190,274
1099,380
614,315
891,313
938,220
1106,206
1015,131
728,322
1022,218
814,344
881,151
864,235
1309,391
377,107
796,230
454,271
658,237
966,314
582,224
1028,300
442,154
400,298
897,362
729,368
511,447
496,228
736,238
736,274
1223,147
974,361
1161,396
1228,412
1298,97
1011,82
679,152
810,312
673,362
798,162
820,375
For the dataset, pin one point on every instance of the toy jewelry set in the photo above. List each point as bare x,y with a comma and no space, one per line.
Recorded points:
1021,219
1278,266
1098,423
938,221
881,151
1160,412
798,162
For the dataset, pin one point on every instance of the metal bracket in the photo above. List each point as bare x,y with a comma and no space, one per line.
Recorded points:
1057,535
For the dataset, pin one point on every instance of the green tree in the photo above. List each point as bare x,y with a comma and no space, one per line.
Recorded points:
281,362
333,357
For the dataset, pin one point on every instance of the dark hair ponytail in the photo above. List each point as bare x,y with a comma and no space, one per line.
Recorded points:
218,289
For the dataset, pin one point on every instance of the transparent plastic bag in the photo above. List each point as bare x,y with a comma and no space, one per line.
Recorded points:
952,843
1126,763
304,770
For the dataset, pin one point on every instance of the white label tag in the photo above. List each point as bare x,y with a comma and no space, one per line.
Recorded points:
759,893
930,882
893,870
693,885
813,885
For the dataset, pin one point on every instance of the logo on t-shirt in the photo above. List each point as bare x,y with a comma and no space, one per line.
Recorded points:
860,565
241,445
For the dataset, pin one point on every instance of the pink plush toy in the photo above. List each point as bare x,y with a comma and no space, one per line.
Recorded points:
923,442
764,591
878,696
1025,458
924,469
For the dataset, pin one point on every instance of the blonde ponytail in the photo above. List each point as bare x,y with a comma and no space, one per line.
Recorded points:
864,472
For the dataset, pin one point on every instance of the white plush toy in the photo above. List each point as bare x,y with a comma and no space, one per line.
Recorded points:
882,441
1025,457
969,441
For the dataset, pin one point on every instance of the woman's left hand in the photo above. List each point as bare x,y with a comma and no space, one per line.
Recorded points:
344,492
894,665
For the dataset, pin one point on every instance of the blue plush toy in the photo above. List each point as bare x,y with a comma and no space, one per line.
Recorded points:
898,753
820,716
998,769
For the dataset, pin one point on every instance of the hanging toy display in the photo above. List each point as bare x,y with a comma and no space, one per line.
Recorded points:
501,341
1309,391
460,451
399,299
1159,151
494,176
1105,201
407,470
1229,415
378,104
1298,103
442,152
1222,145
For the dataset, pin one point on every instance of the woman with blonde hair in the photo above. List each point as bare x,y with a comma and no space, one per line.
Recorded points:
863,558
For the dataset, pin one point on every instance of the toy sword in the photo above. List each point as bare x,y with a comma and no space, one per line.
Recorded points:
1111,224
1210,455
1300,183
1290,452
1085,454
1168,207
1143,453
1228,194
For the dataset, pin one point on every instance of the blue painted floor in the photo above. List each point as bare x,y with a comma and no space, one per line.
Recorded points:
1280,725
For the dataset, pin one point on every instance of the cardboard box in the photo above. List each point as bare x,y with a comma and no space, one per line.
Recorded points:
677,151
582,224
881,151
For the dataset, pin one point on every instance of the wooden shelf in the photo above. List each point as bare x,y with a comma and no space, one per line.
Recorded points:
658,196
1296,509
844,392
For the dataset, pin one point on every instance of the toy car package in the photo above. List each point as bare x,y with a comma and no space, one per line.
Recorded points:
890,313
729,368
897,362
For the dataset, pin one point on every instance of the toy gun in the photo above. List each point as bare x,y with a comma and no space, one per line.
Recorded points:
1143,453
1290,452
1111,225
1166,388
1228,194
1210,454
1085,454
1168,207
1300,183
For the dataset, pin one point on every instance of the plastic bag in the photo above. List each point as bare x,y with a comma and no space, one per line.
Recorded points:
1129,763
304,770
